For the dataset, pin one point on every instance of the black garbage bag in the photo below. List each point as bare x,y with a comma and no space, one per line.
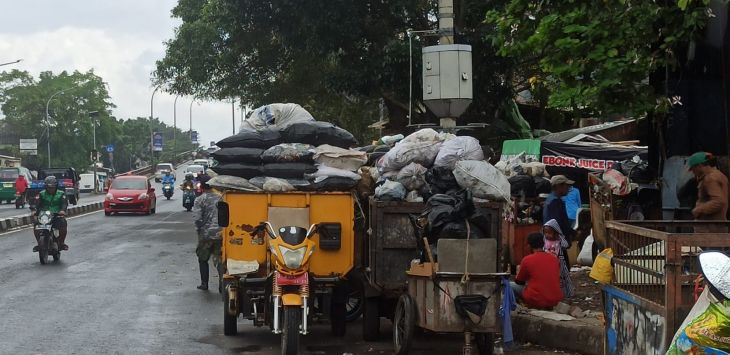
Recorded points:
374,157
238,155
263,139
637,172
246,171
522,185
542,185
288,170
318,133
441,180
331,183
458,230
443,209
289,153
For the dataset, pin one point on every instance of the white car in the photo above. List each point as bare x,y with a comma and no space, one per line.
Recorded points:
193,169
203,162
161,169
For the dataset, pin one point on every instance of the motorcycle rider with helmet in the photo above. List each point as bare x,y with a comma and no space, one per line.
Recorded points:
168,178
188,182
53,200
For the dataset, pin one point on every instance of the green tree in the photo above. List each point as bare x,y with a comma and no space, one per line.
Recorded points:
338,59
595,57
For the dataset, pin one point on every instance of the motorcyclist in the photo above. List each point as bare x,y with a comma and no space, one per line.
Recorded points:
21,185
53,200
168,178
188,182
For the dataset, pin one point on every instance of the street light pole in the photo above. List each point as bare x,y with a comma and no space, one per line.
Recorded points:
174,128
191,120
8,63
48,125
233,114
92,115
152,113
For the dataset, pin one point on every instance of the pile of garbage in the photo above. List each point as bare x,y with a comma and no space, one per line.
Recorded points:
428,163
281,147
528,179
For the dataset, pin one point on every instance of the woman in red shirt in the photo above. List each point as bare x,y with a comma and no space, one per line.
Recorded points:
538,282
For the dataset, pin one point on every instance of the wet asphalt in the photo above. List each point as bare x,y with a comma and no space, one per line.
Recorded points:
127,286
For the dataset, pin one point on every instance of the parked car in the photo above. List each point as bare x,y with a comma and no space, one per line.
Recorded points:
7,182
67,178
130,193
161,169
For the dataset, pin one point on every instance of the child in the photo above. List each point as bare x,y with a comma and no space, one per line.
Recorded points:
556,244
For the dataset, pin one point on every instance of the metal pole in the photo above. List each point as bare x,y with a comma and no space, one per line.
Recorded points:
233,114
174,127
48,125
410,76
152,110
8,63
93,150
191,120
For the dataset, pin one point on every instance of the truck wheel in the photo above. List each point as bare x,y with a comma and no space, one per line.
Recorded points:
290,333
230,323
404,325
371,319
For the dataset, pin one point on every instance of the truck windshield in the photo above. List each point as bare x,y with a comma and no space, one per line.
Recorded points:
129,184
9,174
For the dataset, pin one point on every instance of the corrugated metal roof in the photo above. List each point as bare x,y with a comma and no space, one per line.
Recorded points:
566,135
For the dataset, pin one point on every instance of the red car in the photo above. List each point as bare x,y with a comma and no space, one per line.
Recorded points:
132,194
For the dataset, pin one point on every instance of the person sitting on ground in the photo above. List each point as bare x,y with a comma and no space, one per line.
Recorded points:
538,282
556,244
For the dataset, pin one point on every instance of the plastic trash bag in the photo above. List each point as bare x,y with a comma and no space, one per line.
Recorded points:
482,179
459,148
522,185
288,170
602,270
277,115
332,183
441,180
276,185
238,155
617,181
426,135
248,138
404,153
413,196
390,191
318,133
228,182
288,153
245,171
335,157
326,171
412,176
585,257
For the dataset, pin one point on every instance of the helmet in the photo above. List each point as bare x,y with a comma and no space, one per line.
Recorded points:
189,176
51,181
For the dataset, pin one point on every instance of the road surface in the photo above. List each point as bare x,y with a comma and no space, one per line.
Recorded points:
9,210
127,286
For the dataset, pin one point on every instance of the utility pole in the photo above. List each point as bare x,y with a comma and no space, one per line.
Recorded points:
48,125
152,113
92,115
233,114
174,128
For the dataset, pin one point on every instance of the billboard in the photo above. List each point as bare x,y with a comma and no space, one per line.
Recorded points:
157,142
29,146
194,137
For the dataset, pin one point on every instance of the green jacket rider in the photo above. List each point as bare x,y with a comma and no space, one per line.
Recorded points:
53,200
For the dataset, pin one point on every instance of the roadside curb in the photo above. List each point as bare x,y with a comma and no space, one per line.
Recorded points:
22,221
584,337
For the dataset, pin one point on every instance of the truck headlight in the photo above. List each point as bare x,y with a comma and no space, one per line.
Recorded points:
292,257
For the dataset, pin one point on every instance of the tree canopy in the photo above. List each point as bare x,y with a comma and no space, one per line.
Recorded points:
595,57
23,99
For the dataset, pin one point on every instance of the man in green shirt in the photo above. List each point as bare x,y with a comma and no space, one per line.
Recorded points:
53,200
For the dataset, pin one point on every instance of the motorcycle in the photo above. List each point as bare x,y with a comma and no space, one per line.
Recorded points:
188,198
19,200
167,190
47,237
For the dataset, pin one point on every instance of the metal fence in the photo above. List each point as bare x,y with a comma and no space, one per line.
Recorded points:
657,262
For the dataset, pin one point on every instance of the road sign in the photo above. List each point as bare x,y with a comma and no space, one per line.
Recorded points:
110,148
157,142
29,151
194,137
28,144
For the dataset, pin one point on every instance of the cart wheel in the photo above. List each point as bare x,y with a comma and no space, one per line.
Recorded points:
404,324
230,323
485,343
355,301
371,319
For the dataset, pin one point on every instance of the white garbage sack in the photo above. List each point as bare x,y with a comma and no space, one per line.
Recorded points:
390,191
404,153
324,171
272,184
585,257
533,169
335,157
228,182
482,179
412,176
427,135
278,115
459,148
413,196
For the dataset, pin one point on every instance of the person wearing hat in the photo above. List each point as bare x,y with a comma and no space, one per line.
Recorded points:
712,188
555,207
205,214
706,329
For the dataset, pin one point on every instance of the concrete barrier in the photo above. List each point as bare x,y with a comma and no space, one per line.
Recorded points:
22,221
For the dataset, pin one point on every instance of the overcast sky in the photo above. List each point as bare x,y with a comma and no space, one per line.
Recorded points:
119,39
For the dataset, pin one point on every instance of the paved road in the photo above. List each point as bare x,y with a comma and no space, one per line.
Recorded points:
9,210
127,286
